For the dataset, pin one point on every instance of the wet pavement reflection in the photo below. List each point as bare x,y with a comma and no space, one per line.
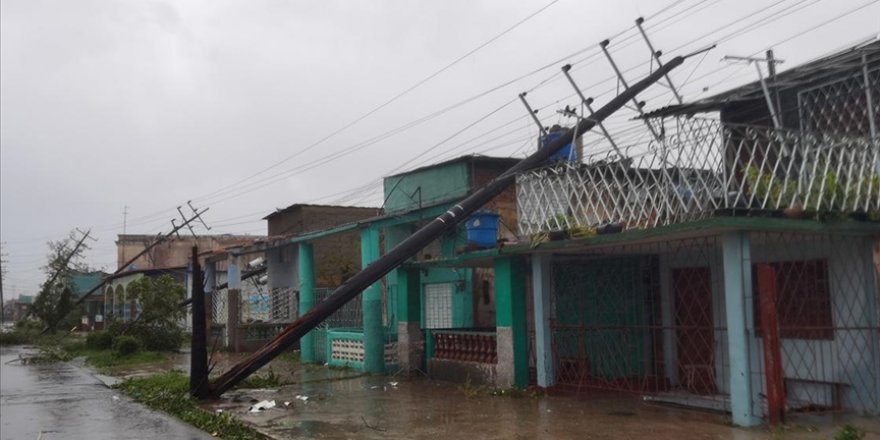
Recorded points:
66,401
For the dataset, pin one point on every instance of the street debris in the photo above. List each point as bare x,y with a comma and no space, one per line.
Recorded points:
304,398
262,406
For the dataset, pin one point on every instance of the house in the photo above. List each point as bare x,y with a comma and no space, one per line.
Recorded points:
173,251
118,305
729,265
450,300
93,319
258,285
21,307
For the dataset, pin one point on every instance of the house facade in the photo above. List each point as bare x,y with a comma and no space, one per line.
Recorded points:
728,264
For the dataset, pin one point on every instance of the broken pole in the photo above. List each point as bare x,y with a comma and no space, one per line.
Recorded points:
198,365
421,238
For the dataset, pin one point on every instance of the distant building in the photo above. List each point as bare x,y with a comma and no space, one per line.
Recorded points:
83,283
173,252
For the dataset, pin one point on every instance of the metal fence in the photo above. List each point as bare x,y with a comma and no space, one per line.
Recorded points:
643,318
826,306
651,319
699,167
842,105
349,316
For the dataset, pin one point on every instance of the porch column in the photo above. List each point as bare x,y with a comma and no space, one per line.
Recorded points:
374,339
510,322
409,310
306,298
736,253
233,302
541,286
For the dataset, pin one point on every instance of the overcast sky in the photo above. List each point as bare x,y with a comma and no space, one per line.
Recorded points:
147,104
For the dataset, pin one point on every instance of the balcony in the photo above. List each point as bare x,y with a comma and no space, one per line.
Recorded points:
702,168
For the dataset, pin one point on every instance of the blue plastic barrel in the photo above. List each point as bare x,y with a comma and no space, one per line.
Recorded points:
482,229
563,154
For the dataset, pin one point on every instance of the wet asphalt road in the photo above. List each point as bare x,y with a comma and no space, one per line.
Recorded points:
66,401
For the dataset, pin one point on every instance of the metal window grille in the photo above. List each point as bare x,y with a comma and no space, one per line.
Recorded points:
643,318
650,318
351,315
830,358
841,105
438,305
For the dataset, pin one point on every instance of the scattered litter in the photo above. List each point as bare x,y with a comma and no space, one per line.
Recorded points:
302,397
115,397
286,403
218,411
374,387
393,384
262,406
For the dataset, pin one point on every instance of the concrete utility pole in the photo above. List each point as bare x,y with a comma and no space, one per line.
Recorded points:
421,238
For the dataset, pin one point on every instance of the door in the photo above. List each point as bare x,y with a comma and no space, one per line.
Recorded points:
695,342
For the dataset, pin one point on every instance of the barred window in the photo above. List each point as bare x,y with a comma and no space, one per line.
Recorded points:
803,300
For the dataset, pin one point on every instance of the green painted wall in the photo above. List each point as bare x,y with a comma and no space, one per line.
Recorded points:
462,279
603,299
437,184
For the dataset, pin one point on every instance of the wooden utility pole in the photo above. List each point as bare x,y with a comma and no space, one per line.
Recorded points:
198,367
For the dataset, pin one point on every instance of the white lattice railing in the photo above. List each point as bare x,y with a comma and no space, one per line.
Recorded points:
699,167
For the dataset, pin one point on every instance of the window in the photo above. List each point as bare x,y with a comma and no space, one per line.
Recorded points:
803,300
438,305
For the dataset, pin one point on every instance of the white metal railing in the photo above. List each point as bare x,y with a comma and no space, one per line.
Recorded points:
701,166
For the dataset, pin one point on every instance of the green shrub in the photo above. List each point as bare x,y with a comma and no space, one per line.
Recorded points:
100,340
157,337
17,337
125,345
849,432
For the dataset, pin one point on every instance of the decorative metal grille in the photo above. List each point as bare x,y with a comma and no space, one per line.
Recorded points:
702,166
841,106
651,319
643,318
826,300
349,316
438,305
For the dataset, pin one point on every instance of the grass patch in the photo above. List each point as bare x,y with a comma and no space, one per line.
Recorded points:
109,359
269,380
169,393
849,432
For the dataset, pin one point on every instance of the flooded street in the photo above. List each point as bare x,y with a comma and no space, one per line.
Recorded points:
333,404
66,401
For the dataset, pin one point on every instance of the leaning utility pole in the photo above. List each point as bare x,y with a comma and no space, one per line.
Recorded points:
421,238
69,257
197,215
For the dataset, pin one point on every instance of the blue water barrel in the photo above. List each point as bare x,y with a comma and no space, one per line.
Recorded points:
482,229
564,154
